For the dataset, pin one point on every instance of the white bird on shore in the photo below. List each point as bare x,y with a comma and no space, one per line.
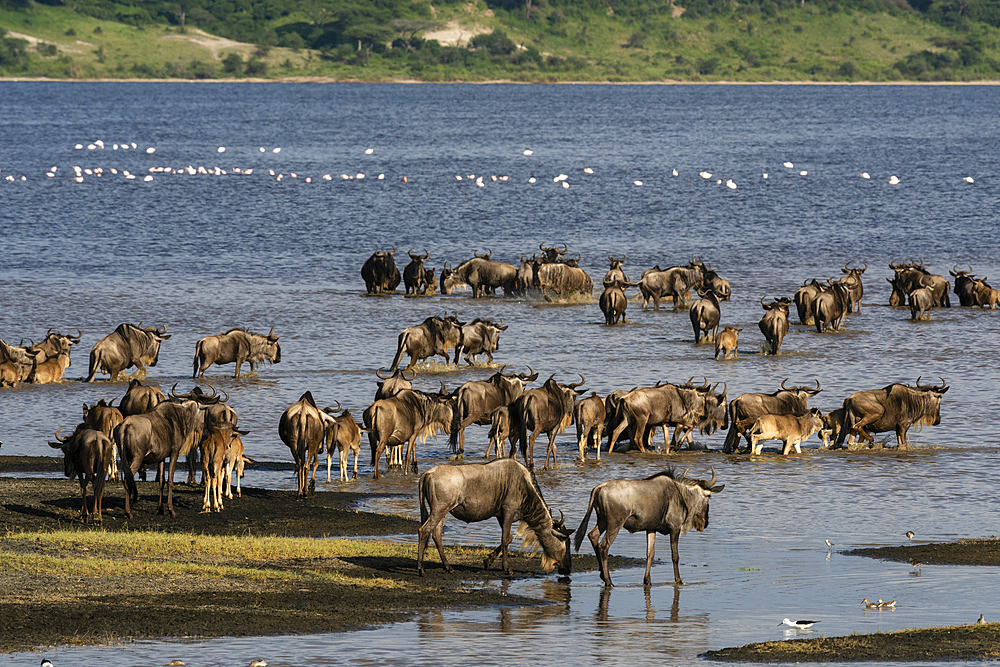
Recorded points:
829,543
909,536
150,150
982,620
532,179
705,174
798,625
731,184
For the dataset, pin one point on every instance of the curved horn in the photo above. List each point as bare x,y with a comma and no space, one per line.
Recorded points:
426,254
391,252
270,334
339,407
712,481
725,390
412,256
61,439
783,385
611,258
174,394
562,519
564,250
378,372
412,370
574,385
918,382
140,325
762,304
541,246
501,326
704,384
160,330
79,335
531,376
215,392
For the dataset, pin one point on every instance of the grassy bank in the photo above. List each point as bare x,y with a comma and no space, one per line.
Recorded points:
480,42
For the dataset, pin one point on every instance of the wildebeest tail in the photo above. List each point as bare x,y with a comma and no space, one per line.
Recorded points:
197,355
850,419
404,338
424,513
582,530
457,415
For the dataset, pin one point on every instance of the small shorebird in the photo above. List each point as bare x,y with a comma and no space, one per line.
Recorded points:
909,536
829,543
257,662
47,663
915,563
885,605
982,620
798,625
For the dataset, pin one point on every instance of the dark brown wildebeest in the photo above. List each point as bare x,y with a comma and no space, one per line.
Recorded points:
852,278
546,409
499,431
921,301
140,398
685,407
105,418
87,454
675,282
125,347
718,284
964,286
502,489
613,302
909,276
482,274
552,254
236,345
786,401
615,272
830,307
562,279
51,370
667,503
380,273
727,342
895,407
790,429
302,428
774,324
477,399
414,274
392,384
433,336
218,454
833,422
705,316
402,419
216,414
589,415
480,336
344,435
169,430
804,297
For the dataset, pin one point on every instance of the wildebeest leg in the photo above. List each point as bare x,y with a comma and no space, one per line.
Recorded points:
411,455
239,362
169,481
83,492
98,484
329,465
859,427
603,547
675,537
582,437
314,462
650,548
551,450
598,432
431,528
357,453
504,530
901,436
639,435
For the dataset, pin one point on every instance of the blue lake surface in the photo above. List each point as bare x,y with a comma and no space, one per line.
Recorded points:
201,253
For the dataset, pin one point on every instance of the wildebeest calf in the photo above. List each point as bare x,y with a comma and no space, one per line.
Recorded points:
727,342
87,455
790,429
589,416
343,434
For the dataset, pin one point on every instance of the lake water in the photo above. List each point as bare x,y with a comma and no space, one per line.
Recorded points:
202,253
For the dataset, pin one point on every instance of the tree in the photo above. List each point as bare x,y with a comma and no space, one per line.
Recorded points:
408,29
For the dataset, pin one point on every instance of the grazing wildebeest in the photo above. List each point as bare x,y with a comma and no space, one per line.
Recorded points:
480,336
685,407
236,345
499,431
546,409
218,455
786,401
402,419
615,272
87,455
104,417
393,384
921,301
856,291
727,342
774,324
910,276
830,307
705,316
482,274
51,370
344,435
894,407
613,302
675,282
667,503
804,297
126,346
434,336
589,415
169,430
718,284
414,274
380,273
303,428
140,398
477,399
790,429
503,489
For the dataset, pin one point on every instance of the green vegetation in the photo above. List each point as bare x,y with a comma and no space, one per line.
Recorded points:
519,40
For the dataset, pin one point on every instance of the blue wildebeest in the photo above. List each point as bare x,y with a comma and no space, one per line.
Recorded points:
414,274
786,401
774,324
562,278
380,273
665,503
342,434
910,276
221,448
502,489
614,302
804,297
404,418
393,384
589,414
675,282
477,399
126,346
546,409
302,428
87,454
480,336
685,407
895,407
921,300
235,345
856,291
717,283
790,429
830,307
615,272
433,336
727,342
482,274
705,315
104,417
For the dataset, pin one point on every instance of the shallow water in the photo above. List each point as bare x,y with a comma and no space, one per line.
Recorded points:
203,253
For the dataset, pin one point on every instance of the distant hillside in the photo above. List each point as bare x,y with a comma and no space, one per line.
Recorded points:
519,40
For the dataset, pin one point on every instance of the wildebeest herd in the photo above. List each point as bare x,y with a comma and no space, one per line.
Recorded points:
148,427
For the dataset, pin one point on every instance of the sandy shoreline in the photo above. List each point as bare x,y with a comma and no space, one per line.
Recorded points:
323,79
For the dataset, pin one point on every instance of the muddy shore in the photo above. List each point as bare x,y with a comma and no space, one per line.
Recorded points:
155,576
